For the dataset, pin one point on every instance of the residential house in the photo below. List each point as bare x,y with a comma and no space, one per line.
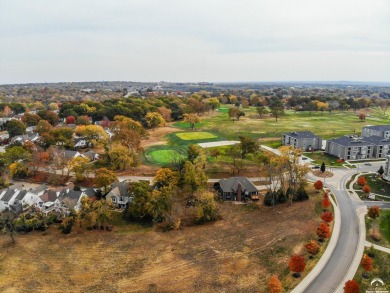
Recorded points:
381,146
237,189
33,137
350,148
119,194
377,130
72,154
68,199
47,200
7,197
81,143
91,155
305,140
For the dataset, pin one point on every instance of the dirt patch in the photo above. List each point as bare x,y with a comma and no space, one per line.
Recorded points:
236,254
325,174
156,136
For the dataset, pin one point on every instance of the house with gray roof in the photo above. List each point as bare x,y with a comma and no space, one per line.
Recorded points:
119,194
68,199
350,147
377,130
305,140
237,189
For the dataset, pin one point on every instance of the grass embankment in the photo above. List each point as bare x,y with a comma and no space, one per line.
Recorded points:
381,269
380,226
321,157
377,186
237,254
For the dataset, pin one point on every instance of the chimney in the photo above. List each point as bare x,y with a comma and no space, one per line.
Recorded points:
239,192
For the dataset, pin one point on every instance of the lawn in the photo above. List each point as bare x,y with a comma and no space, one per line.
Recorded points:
225,256
163,155
321,157
381,270
377,185
384,225
195,135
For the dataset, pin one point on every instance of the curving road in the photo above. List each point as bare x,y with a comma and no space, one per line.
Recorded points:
333,273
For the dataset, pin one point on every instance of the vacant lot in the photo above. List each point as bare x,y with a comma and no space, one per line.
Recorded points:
195,135
236,254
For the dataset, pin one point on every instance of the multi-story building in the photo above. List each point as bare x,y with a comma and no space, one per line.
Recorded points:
381,146
386,175
377,130
305,140
350,148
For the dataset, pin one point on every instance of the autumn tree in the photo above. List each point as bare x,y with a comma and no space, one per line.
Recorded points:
83,120
326,203
49,116
327,216
277,109
261,110
362,181
235,113
274,284
351,286
312,247
373,212
43,127
297,265
31,119
104,178
367,264
194,178
15,127
318,185
166,177
121,158
140,210
362,117
213,103
7,222
79,166
366,189
323,231
70,120
165,113
93,133
154,119
192,119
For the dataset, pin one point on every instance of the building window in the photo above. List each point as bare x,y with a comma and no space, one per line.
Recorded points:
113,198
121,198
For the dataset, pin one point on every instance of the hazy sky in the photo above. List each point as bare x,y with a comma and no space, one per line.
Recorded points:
185,40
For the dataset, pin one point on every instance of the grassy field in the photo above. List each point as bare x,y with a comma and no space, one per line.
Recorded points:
381,270
384,226
236,254
195,135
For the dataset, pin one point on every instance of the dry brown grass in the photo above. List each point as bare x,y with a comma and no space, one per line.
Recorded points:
236,254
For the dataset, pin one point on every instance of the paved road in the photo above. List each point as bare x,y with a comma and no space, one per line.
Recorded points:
338,264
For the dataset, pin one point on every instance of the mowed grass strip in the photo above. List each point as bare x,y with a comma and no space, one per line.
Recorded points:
195,135
164,156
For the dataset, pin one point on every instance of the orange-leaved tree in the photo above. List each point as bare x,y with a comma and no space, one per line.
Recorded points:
351,286
327,216
323,231
297,265
373,212
366,189
312,247
326,202
318,185
274,284
362,181
367,263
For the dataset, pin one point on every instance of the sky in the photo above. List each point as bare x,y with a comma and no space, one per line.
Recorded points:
194,41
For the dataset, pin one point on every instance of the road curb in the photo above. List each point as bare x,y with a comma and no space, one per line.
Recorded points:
361,212
327,254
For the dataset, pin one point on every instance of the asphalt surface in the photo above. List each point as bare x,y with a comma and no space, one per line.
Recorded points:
341,259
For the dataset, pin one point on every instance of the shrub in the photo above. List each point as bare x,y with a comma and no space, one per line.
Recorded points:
312,247
323,231
274,284
327,216
351,286
301,194
362,181
373,212
318,185
67,224
326,202
367,263
297,264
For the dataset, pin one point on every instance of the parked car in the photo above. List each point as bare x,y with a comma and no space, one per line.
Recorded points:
368,164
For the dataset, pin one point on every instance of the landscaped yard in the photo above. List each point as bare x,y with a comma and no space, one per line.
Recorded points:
195,135
381,269
321,157
377,185
236,254
384,226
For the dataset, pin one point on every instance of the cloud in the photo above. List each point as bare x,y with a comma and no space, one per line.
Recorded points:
176,40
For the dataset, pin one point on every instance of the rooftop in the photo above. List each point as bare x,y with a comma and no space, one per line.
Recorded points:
302,134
